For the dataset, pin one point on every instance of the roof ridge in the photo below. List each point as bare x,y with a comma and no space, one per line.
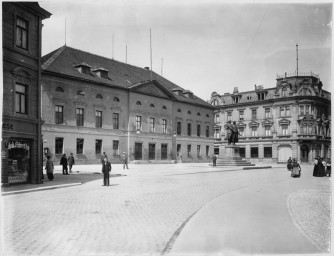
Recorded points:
47,63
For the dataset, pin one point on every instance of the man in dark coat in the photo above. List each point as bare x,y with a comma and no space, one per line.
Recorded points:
214,160
106,168
63,162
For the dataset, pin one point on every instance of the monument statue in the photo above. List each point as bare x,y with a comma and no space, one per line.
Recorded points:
325,126
232,132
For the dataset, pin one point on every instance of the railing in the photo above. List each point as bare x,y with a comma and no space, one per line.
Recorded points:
299,74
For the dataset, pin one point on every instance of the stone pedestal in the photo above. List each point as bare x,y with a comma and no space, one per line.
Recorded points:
230,157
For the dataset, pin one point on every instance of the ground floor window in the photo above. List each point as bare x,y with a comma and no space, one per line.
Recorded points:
242,152
98,147
80,144
268,152
207,150
59,145
178,148
189,150
216,151
163,151
115,147
254,152
198,150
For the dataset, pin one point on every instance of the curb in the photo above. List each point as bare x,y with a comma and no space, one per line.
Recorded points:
257,167
40,189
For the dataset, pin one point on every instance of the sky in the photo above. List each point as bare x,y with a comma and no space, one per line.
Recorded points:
202,46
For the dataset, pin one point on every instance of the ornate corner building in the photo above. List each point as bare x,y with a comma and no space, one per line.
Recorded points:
21,146
290,120
92,104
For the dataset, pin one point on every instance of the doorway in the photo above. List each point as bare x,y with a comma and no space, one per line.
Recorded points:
163,151
138,151
151,151
304,154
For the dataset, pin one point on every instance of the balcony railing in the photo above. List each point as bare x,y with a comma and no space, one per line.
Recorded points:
310,73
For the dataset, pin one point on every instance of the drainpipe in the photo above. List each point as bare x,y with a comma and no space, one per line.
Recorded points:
39,99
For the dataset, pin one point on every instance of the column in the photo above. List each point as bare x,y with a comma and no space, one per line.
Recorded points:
247,152
261,152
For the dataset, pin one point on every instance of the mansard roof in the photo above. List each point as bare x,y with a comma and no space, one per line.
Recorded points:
63,61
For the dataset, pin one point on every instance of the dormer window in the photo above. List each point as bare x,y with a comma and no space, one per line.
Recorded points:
179,110
138,103
261,95
236,99
81,93
59,89
101,72
164,107
83,68
199,114
152,105
116,99
177,91
98,96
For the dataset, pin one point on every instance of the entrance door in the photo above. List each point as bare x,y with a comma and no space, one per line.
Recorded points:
284,153
151,151
138,151
163,151
304,154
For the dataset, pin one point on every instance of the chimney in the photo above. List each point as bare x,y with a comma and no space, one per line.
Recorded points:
235,90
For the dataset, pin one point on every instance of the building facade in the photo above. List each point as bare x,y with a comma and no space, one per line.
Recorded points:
21,147
92,104
290,120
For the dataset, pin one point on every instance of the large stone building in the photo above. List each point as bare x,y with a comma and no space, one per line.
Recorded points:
21,146
92,104
290,120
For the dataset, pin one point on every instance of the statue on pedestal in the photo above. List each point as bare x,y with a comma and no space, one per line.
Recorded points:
232,133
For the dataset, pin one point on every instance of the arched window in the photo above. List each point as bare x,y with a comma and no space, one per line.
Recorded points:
189,112
59,89
151,105
199,114
138,103
81,93
179,110
164,107
116,99
99,96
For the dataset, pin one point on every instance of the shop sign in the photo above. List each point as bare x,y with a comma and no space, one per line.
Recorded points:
7,126
18,145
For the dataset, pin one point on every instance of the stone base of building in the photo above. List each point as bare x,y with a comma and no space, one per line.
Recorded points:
231,157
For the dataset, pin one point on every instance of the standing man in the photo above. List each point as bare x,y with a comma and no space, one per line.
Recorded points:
70,161
104,155
214,160
106,169
49,168
125,160
63,162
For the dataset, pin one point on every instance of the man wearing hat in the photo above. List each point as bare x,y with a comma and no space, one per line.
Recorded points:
63,162
124,160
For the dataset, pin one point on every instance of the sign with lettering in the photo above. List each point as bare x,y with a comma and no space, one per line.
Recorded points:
7,126
18,145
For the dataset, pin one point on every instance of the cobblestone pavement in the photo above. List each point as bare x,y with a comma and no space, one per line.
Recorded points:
138,214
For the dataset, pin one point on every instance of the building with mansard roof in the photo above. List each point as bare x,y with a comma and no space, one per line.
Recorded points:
289,120
92,104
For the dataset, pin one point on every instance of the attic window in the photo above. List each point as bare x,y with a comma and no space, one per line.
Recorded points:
189,112
99,96
199,114
81,93
151,105
261,95
83,68
101,72
116,99
236,99
138,103
179,110
249,97
164,107
59,89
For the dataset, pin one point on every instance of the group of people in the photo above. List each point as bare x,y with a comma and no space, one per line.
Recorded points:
322,167
294,167
69,162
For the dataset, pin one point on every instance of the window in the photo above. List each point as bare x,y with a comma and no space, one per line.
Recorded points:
199,114
21,98
285,111
304,129
179,110
115,147
138,103
261,96
253,114
178,148
229,116
59,114
307,109
151,105
217,118
267,130
284,92
164,126
207,115
236,99
198,150
254,152
198,130
207,150
115,119
207,131
242,152
116,99
138,123
152,124
164,151
80,116
254,131
99,96
267,112
178,128
164,107
284,129
80,144
59,146
98,147
302,110
217,133
189,112
80,93
21,33
242,131
188,150
59,89
85,69
189,129
267,152
98,119
241,115
215,102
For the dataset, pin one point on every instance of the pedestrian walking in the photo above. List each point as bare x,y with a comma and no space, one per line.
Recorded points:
289,164
214,160
63,162
329,168
106,169
70,162
49,168
124,160
296,170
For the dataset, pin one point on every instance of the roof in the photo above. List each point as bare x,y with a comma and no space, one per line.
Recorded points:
65,59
